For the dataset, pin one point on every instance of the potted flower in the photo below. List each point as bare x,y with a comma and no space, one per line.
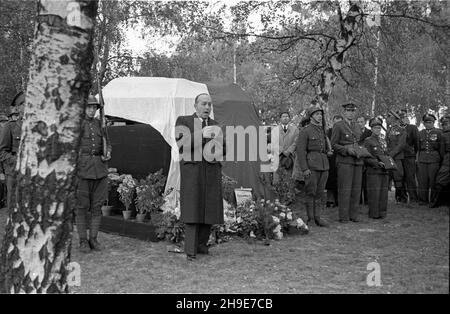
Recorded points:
155,196
113,179
143,200
126,192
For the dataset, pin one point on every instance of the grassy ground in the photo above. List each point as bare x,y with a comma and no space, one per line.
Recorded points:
411,246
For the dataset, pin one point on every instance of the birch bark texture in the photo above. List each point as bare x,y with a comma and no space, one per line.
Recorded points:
36,247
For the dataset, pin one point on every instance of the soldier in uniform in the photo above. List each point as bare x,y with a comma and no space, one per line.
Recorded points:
344,137
92,172
331,186
9,144
396,143
443,175
3,122
312,150
428,158
377,176
410,153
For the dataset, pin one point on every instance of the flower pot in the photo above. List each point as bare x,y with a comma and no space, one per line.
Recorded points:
106,210
126,214
140,217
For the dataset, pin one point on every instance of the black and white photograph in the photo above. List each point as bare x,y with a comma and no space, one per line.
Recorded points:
223,153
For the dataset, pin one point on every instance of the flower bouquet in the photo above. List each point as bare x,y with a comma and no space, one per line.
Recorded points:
126,191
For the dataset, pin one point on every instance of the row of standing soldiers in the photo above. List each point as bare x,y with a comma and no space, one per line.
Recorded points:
359,158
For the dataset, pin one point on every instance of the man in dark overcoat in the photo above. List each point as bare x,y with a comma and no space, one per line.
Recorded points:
410,153
201,200
443,175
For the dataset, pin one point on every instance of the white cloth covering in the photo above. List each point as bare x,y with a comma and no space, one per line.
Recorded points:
156,101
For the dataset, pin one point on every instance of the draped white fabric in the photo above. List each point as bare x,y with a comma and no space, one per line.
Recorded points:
156,101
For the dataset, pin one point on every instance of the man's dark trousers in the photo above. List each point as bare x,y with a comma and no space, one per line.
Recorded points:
426,176
409,177
91,194
378,194
196,237
349,190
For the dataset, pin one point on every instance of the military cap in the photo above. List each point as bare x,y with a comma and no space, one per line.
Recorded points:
93,101
402,113
349,105
428,117
445,119
15,98
375,121
13,111
313,109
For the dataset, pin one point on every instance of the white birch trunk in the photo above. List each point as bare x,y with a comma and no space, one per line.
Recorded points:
36,247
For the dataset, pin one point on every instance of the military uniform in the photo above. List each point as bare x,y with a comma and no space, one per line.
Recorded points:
429,160
443,175
377,177
312,155
344,136
92,184
9,147
396,143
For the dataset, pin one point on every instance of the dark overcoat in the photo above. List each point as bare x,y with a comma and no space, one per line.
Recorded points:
201,198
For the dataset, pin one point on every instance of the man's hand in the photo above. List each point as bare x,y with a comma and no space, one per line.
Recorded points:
107,157
2,177
307,173
351,151
209,131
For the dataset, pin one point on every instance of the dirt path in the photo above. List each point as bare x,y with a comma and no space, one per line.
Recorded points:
411,247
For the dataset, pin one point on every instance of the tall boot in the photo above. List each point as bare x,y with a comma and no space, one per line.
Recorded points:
309,205
435,196
80,219
318,206
93,232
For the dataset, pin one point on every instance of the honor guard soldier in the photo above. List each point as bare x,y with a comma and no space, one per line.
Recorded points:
92,172
428,158
9,144
396,143
443,175
377,175
312,149
344,137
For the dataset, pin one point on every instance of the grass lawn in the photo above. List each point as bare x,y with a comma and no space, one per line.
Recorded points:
411,246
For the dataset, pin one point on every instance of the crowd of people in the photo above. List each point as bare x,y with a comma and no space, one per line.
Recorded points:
343,166
349,164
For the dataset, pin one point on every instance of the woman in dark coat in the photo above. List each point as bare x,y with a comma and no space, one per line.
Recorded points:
377,175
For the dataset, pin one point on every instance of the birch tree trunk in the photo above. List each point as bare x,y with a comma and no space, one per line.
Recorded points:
350,29
36,248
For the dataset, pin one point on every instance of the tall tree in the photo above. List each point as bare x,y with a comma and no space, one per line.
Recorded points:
36,247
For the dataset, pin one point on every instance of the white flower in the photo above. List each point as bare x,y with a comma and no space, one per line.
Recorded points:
289,216
300,223
239,220
275,209
276,220
282,215
252,234
277,232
